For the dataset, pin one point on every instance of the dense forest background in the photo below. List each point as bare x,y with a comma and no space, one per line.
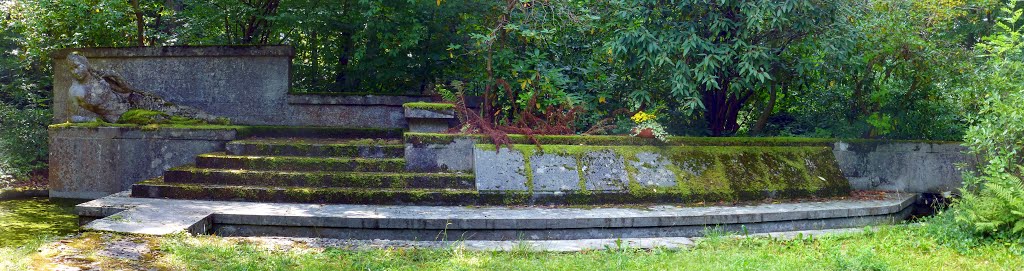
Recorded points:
880,69
894,69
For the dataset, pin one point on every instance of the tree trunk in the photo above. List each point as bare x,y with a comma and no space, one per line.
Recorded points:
721,109
762,120
140,24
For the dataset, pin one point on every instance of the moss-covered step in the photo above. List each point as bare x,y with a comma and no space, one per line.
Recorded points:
156,188
319,132
221,160
195,175
364,148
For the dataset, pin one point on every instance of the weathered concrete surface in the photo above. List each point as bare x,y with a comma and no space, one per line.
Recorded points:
456,156
429,121
154,221
428,125
247,84
737,172
652,170
500,170
903,166
485,223
604,171
553,173
383,100
917,167
90,163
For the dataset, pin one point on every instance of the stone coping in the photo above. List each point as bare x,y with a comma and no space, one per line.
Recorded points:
356,99
624,140
164,216
178,51
175,133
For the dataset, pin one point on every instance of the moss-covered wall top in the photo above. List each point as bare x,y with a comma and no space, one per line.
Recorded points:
430,138
663,174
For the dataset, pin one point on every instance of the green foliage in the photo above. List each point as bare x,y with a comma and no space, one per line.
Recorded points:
714,56
23,146
893,69
993,199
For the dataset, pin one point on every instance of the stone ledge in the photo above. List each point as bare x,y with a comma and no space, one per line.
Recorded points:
178,51
397,222
364,100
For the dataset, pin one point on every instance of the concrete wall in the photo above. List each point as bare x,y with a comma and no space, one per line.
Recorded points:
247,84
90,163
729,172
903,166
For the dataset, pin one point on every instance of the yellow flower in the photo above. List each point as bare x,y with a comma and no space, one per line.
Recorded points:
641,117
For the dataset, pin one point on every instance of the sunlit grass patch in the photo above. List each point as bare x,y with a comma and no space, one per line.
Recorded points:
26,220
884,248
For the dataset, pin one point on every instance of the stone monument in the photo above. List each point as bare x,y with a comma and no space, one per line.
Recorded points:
109,95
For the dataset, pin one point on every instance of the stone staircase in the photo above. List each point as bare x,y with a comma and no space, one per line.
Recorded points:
332,169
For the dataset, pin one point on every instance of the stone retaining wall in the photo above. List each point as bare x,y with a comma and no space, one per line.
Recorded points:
688,173
91,163
247,84
917,167
900,166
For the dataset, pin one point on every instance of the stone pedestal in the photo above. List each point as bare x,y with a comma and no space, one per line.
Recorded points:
89,163
428,120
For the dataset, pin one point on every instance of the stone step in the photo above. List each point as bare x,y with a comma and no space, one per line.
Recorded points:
321,132
323,179
157,188
222,160
363,148
512,223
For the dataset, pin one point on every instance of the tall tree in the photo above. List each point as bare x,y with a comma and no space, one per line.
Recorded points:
715,55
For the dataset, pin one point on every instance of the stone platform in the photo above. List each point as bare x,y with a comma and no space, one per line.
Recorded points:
121,213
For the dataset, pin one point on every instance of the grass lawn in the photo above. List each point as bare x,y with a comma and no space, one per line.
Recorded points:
904,247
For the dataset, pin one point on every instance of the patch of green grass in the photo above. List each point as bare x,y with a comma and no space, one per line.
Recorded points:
887,248
25,220
19,257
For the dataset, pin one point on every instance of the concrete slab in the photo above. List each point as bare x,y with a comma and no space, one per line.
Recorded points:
121,213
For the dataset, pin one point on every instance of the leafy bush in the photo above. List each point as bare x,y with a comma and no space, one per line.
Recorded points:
993,198
23,146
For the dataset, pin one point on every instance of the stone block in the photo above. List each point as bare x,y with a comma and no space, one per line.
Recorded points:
455,156
604,171
553,173
95,162
652,170
504,170
902,167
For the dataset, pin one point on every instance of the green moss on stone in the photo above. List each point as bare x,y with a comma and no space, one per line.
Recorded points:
706,173
434,107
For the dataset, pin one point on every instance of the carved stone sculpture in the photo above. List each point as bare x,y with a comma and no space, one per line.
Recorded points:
109,95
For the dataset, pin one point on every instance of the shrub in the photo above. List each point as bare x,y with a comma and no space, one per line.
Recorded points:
993,198
23,145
